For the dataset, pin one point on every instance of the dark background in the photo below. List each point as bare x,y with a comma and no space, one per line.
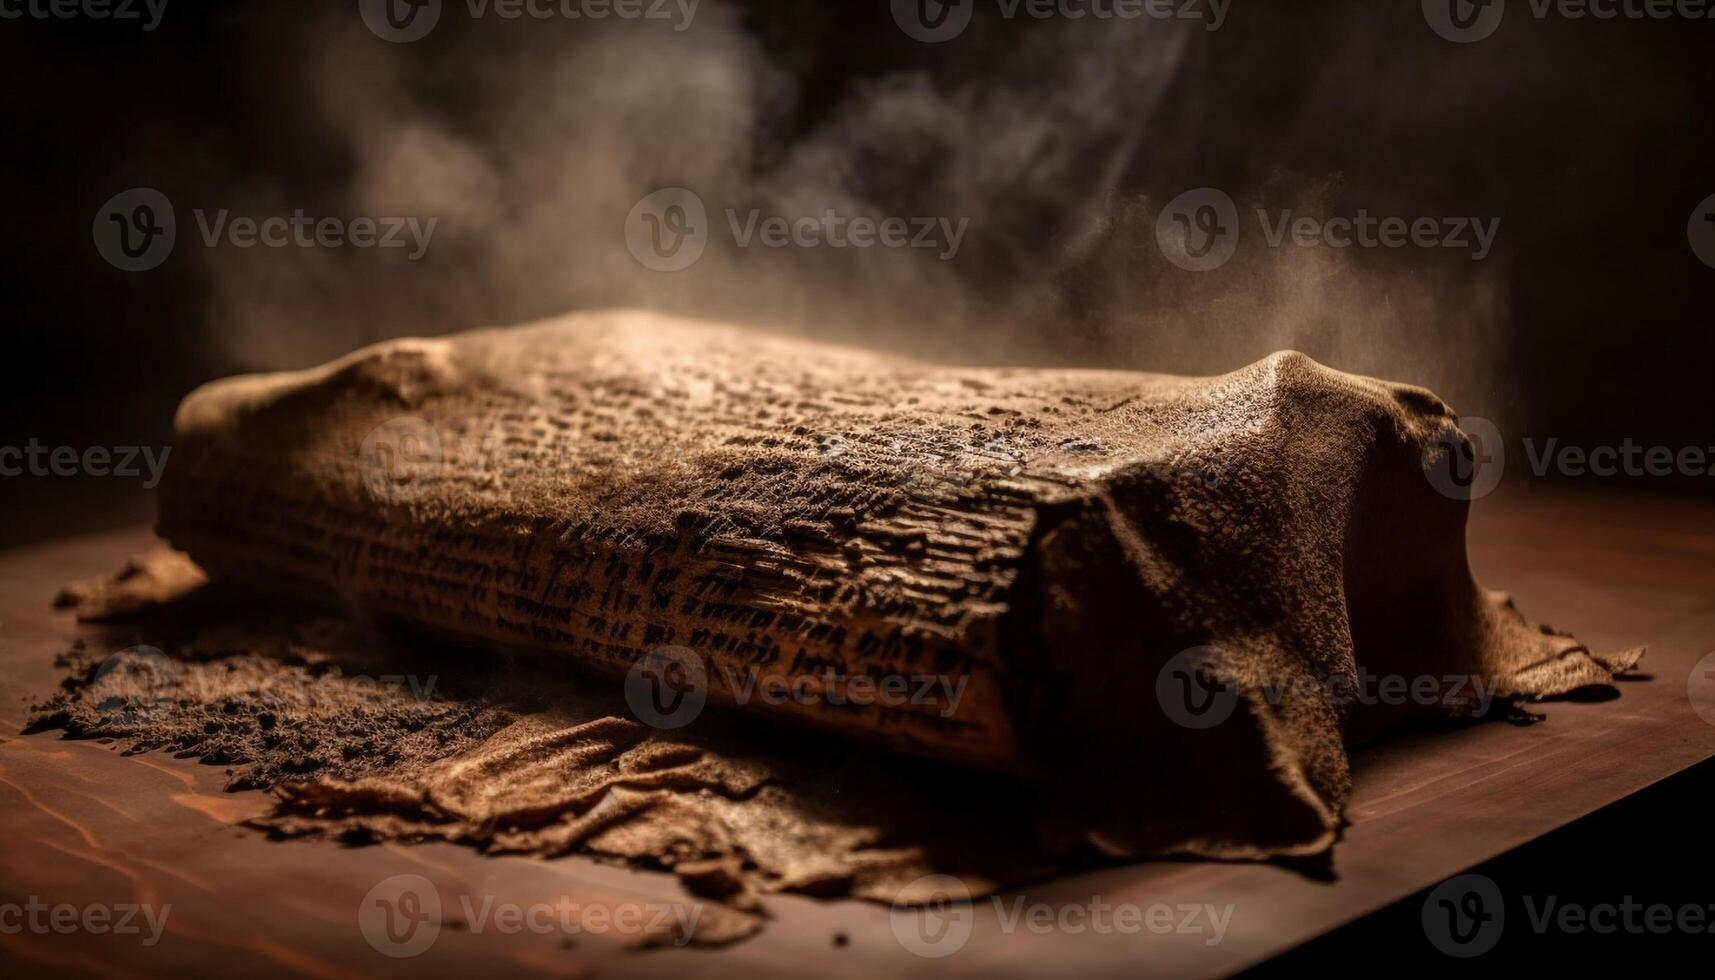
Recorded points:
1647,847
1592,141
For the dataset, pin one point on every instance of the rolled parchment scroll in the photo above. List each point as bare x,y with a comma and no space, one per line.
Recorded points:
1166,595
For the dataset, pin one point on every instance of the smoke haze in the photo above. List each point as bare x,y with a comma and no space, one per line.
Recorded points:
1058,141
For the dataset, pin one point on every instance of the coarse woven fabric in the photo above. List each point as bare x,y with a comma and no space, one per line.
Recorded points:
1155,598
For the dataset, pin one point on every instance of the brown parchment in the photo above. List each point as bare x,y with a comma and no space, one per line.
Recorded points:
1057,549
601,486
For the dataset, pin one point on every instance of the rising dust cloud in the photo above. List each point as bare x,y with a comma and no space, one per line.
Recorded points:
1058,140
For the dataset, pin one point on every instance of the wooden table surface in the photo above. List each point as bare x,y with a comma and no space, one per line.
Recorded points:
81,823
